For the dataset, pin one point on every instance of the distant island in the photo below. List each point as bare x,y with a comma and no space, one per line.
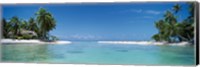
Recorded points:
34,28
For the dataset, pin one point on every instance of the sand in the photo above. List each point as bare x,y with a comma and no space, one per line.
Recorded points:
144,43
32,41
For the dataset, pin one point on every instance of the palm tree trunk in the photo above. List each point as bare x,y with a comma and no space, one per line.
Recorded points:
183,38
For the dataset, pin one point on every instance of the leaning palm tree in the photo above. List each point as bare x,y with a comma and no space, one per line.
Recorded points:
46,22
183,31
171,30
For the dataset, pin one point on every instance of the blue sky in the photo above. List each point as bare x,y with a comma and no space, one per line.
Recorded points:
100,21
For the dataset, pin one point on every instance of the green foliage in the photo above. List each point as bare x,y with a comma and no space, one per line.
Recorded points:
16,25
53,38
6,28
24,25
33,26
27,36
171,30
45,21
176,8
42,25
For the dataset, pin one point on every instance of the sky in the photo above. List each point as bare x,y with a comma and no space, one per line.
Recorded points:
100,21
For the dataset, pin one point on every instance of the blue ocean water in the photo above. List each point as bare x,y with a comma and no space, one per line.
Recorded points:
91,52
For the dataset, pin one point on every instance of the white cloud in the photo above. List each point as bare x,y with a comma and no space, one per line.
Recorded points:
146,11
77,36
137,10
153,12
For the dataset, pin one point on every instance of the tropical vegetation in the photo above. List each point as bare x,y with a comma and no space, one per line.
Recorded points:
34,28
171,30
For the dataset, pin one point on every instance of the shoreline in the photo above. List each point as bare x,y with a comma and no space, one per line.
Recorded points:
33,41
36,41
144,43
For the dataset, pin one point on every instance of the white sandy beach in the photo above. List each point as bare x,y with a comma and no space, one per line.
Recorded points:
144,43
32,41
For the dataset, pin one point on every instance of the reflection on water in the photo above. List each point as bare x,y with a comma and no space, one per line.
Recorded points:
122,50
94,53
75,51
24,53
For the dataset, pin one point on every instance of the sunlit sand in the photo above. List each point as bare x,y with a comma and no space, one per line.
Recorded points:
33,41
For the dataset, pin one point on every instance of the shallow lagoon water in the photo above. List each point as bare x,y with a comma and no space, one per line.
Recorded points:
87,52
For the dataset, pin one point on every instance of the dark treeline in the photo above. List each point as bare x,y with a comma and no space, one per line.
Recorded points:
34,28
171,30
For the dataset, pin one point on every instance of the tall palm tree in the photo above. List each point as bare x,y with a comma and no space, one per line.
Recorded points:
45,21
15,22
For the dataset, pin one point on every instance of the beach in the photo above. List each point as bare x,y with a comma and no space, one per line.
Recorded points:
144,43
32,41
35,41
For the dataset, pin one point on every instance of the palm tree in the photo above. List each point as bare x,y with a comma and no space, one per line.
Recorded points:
164,31
176,8
15,23
45,21
24,25
32,25
167,28
170,29
6,28
190,21
170,18
186,30
191,8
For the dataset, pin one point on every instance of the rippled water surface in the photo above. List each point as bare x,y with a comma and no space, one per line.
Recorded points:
94,53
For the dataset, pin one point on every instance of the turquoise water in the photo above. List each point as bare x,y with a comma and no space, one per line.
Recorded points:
95,53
